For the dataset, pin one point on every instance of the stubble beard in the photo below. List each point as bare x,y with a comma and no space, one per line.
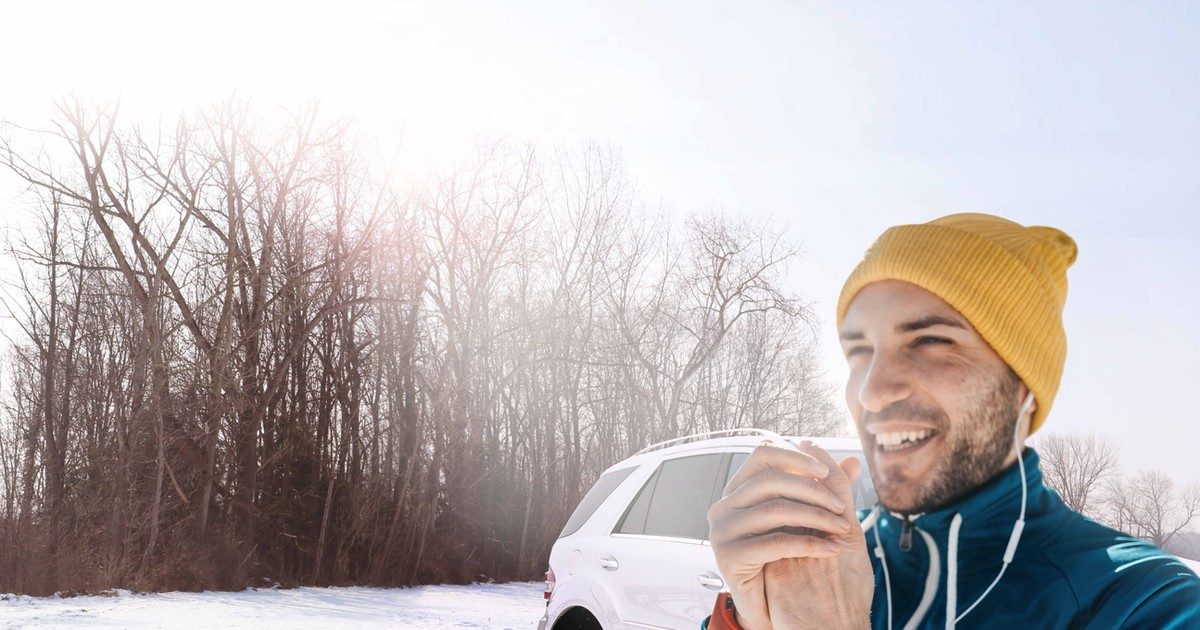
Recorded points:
976,450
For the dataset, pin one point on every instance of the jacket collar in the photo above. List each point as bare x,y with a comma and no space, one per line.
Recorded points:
990,511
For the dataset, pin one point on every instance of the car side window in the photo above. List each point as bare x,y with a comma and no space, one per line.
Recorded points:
864,490
735,464
675,500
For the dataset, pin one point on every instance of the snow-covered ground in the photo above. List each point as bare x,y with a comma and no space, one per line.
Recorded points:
513,605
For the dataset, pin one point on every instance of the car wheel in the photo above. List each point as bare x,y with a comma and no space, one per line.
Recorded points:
577,619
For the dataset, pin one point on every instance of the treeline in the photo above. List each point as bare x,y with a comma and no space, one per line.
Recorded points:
245,352
1084,469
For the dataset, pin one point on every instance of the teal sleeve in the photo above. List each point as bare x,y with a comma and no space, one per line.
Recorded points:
1165,596
1173,606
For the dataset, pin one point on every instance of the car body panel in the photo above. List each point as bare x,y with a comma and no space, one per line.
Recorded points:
651,588
657,581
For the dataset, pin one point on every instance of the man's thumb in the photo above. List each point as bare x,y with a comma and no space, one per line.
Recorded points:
852,467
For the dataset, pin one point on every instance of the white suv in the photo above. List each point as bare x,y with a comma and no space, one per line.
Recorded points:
635,553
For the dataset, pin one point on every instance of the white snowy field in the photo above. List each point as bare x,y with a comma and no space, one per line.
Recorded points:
516,605
513,605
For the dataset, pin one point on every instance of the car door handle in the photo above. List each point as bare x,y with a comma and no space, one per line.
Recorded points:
708,580
610,563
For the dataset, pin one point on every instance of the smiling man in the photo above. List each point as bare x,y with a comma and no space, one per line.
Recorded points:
953,333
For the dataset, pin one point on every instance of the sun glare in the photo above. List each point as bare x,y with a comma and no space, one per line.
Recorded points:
378,63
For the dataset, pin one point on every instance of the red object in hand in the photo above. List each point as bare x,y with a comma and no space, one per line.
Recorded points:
722,615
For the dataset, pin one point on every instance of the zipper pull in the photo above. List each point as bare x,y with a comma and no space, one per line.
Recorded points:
906,534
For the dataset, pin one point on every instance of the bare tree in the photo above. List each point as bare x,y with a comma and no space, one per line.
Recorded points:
726,274
1075,466
246,352
1184,544
1149,506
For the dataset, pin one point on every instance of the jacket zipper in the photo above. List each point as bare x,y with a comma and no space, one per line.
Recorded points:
906,534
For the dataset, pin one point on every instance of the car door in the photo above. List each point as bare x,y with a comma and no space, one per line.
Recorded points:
707,581
648,563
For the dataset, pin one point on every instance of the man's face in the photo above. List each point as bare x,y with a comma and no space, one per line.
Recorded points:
935,406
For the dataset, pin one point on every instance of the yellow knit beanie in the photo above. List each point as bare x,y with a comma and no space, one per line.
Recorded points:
1008,280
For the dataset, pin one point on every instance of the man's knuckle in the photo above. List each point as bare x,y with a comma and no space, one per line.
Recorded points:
804,487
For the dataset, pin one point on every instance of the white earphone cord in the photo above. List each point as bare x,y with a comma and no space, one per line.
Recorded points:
872,522
1019,526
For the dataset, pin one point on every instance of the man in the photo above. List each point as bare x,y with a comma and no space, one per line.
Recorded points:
953,333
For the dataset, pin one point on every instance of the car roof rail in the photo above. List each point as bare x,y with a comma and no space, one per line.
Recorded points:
696,437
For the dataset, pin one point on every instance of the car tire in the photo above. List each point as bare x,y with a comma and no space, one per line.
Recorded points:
577,618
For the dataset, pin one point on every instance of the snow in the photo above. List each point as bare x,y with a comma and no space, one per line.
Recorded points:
516,605
512,605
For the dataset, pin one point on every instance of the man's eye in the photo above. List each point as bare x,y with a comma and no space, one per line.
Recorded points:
857,350
924,341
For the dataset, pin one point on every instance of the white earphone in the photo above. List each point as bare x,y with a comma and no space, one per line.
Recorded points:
1019,526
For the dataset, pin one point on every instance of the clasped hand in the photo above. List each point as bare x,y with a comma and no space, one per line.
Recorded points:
786,539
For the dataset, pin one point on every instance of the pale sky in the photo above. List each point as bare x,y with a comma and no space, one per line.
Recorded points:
835,122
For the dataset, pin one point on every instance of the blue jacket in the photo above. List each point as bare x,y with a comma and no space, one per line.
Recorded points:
1068,571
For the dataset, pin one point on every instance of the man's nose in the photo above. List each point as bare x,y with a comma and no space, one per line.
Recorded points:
885,382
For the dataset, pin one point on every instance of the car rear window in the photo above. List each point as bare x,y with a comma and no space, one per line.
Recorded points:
634,521
592,500
674,501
